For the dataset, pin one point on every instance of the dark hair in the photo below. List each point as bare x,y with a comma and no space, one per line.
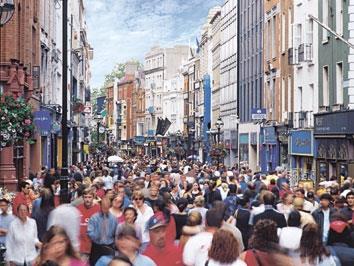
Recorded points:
182,204
224,247
47,200
350,193
264,235
121,258
51,233
233,189
160,205
129,208
301,190
214,218
311,245
326,196
268,198
294,218
23,184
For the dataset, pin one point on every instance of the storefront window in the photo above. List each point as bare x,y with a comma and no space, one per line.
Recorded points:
323,171
244,152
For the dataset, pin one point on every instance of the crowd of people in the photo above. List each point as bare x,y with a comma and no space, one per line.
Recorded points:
152,211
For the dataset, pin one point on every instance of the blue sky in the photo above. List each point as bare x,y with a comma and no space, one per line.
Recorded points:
120,30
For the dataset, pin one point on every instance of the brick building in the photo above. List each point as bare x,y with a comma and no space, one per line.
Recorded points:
19,63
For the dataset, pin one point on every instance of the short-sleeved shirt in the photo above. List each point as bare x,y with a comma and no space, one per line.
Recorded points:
85,214
5,221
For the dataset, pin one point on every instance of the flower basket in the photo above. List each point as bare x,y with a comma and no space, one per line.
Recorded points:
16,121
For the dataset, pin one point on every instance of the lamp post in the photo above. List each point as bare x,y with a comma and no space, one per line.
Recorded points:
7,10
64,190
98,124
219,124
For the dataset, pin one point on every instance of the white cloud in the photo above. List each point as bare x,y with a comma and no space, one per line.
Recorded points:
120,30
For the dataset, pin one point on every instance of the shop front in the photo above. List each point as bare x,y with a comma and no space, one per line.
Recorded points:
301,151
334,144
269,150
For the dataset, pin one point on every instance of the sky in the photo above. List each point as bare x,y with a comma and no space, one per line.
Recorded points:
120,30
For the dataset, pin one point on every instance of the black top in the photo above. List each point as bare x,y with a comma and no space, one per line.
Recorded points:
273,215
181,220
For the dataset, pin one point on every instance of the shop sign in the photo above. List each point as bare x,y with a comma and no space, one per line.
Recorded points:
332,149
269,136
139,140
301,142
258,113
244,138
334,123
43,121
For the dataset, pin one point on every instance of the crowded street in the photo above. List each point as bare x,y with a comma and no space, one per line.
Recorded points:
176,133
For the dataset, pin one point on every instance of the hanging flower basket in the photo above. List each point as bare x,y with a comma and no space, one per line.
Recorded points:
16,121
78,106
218,151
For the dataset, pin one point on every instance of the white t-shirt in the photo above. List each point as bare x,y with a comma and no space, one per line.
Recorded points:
141,221
196,250
326,223
289,237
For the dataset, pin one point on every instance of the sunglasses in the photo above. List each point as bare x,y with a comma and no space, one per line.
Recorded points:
138,198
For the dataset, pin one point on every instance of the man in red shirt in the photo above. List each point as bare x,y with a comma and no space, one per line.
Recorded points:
161,251
87,209
22,198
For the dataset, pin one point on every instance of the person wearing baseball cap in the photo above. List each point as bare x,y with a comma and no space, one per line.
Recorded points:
162,252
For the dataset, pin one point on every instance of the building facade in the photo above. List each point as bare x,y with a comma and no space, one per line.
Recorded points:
19,64
250,80
161,64
303,53
228,76
334,141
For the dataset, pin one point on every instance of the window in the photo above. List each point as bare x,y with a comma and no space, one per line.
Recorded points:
325,96
273,36
289,94
339,82
290,33
268,36
312,95
339,17
299,99
309,34
283,32
283,99
325,19
298,36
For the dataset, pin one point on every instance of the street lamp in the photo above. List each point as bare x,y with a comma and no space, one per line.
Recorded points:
7,9
219,124
98,118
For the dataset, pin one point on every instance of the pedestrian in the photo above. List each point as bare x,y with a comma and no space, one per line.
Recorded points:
22,238
41,210
289,237
312,250
181,216
5,220
127,243
193,226
323,215
224,250
22,197
117,207
195,251
270,212
160,250
101,229
199,204
144,214
58,248
87,210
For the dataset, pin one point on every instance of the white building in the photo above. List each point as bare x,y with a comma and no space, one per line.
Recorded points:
228,74
304,33
161,64
50,75
173,102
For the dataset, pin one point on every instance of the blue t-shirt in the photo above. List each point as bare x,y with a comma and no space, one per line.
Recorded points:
5,221
140,260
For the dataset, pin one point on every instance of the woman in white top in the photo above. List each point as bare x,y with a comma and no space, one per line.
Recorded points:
224,250
22,239
144,214
286,206
289,237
